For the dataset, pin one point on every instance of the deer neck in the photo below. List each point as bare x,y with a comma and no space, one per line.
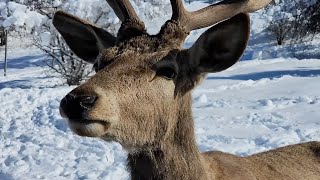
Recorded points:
176,158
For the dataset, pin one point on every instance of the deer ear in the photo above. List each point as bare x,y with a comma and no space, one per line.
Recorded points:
217,49
84,39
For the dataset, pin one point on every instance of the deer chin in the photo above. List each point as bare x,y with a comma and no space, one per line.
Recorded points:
89,128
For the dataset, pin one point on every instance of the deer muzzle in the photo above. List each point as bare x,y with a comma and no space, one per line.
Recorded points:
89,114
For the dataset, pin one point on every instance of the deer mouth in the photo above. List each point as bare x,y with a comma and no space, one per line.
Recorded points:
89,128
87,121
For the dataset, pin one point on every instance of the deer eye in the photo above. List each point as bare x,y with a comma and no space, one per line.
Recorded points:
166,72
166,68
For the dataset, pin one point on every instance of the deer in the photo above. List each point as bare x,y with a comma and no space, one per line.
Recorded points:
140,96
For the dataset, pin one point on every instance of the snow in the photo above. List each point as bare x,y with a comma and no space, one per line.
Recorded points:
45,38
257,105
20,16
36,142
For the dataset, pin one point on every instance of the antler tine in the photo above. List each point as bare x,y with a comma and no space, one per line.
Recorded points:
125,12
214,13
178,11
123,9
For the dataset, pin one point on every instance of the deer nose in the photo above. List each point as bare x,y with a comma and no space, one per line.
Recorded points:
74,107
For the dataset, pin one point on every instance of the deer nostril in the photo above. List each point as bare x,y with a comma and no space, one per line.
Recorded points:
74,107
69,97
87,101
67,100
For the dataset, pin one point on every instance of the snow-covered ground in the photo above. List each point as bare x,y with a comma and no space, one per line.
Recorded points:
254,106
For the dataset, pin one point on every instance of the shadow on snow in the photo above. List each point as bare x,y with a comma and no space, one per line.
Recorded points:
24,62
26,83
271,74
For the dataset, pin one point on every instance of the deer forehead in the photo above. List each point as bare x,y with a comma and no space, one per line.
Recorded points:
130,58
126,67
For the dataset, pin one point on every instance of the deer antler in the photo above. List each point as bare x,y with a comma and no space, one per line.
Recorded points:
128,17
213,14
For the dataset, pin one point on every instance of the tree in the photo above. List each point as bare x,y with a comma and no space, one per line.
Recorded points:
61,60
313,12
292,21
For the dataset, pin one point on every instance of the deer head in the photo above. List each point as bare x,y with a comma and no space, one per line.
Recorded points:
141,91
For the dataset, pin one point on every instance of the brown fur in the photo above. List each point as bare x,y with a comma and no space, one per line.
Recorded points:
142,112
158,132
